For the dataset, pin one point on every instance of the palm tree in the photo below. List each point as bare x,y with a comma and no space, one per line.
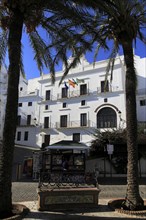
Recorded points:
58,19
122,23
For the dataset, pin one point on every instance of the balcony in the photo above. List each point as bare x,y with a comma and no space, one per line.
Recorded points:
24,123
28,93
75,124
111,89
45,128
73,94
51,98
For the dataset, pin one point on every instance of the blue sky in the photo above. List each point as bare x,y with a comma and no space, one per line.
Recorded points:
31,67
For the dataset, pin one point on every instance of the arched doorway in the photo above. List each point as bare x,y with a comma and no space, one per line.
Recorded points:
106,118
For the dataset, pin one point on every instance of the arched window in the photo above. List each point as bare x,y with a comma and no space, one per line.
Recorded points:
106,118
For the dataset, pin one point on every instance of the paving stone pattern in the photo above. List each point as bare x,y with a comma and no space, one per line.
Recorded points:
26,193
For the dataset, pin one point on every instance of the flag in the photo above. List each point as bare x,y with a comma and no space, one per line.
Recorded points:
79,80
66,86
71,83
75,81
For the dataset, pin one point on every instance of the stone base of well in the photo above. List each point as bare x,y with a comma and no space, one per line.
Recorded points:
67,198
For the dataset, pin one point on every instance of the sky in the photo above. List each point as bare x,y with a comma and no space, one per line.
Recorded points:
31,70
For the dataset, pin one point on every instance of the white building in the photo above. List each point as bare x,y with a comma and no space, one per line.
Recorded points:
50,113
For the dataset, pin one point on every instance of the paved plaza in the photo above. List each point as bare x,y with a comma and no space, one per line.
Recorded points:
26,193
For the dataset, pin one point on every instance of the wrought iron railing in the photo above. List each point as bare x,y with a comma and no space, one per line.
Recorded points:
110,89
50,126
62,179
74,93
75,124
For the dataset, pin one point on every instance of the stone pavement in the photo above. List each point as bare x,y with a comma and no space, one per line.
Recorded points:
25,193
102,212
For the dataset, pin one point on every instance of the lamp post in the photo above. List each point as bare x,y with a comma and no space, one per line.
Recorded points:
110,149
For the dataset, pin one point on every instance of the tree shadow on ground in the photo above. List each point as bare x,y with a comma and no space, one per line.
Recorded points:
79,214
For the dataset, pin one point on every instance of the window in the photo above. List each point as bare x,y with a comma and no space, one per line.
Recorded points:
64,92
63,121
29,103
83,89
106,118
105,100
76,137
19,120
28,119
46,122
18,135
20,104
104,86
64,105
83,102
26,136
46,107
83,119
48,95
21,88
142,102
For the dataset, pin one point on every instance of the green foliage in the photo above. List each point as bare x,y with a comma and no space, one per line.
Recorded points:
114,136
60,21
102,138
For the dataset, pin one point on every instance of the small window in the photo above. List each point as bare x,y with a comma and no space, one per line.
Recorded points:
64,92
105,100
46,107
20,104
63,121
104,86
83,102
83,119
21,88
29,103
143,102
48,95
46,122
18,135
28,119
64,105
83,89
18,119
26,136
76,137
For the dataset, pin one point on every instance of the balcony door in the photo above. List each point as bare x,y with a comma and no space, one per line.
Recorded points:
63,121
83,119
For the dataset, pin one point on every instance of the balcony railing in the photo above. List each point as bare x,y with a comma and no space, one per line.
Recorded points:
111,89
28,93
50,126
75,124
74,93
52,98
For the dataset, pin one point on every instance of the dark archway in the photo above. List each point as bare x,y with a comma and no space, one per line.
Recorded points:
106,118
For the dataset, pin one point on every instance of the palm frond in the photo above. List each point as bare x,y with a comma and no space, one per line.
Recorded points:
21,63
38,49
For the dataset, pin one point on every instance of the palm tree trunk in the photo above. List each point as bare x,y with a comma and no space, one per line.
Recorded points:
133,199
6,156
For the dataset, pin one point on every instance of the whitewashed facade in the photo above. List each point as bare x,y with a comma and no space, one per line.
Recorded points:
51,113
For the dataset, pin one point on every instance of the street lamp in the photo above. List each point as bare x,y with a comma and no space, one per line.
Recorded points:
110,149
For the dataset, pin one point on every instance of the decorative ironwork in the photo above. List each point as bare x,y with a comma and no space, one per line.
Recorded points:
63,179
64,166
